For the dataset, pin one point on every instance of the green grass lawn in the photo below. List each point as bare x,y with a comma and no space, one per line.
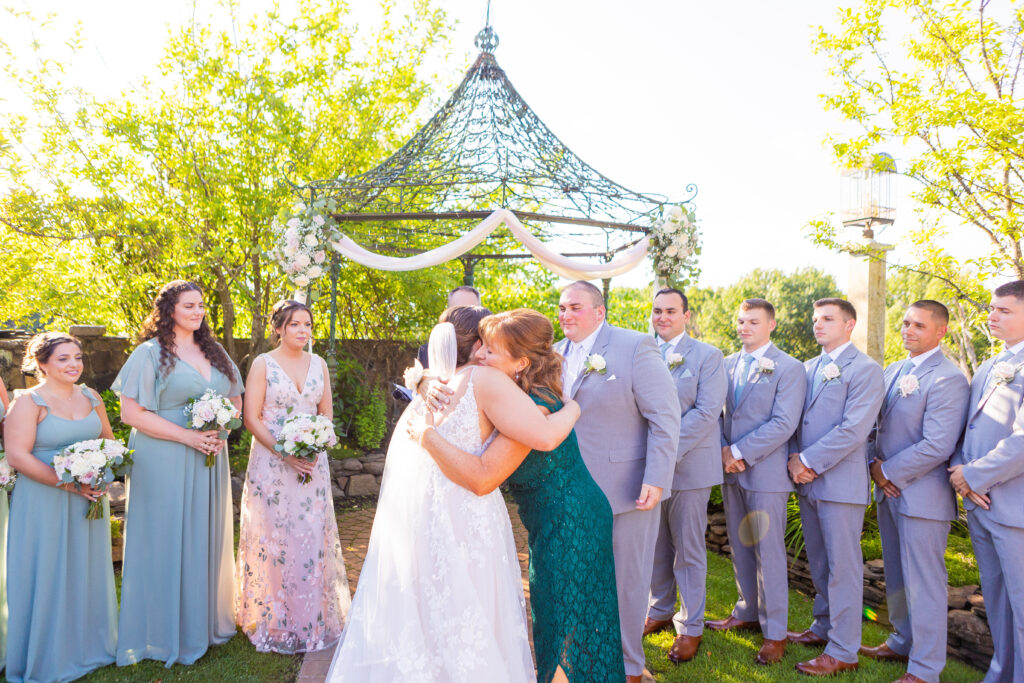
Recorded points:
730,656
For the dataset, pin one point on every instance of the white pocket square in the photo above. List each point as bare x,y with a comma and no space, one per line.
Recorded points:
610,378
686,373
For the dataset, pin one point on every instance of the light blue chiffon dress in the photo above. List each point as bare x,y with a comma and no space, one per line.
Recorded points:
177,585
62,609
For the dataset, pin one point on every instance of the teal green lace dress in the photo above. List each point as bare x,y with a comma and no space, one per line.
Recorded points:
572,571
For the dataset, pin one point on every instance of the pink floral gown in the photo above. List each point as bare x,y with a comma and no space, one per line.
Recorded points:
293,593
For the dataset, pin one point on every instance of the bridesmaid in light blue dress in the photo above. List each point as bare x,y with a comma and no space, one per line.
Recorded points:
4,509
62,618
177,589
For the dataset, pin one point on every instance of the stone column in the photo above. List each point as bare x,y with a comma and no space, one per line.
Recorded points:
867,294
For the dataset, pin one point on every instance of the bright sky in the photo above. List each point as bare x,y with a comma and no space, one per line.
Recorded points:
653,94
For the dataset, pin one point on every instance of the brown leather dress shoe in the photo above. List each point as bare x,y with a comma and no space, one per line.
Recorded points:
807,637
771,651
824,665
882,653
684,648
655,625
909,678
634,679
732,624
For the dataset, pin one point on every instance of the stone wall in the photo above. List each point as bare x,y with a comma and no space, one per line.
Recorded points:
968,635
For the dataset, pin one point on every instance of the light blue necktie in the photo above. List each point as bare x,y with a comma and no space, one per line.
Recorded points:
741,379
664,348
819,378
907,367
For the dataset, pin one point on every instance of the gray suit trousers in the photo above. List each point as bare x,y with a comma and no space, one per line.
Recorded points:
634,535
1000,553
681,559
915,588
757,534
832,539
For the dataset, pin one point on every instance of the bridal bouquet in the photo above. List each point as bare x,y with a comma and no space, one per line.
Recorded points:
301,238
7,474
305,436
212,411
92,463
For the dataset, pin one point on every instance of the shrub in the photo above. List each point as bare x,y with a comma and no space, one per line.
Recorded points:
371,422
113,405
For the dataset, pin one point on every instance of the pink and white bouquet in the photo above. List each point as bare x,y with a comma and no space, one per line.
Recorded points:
674,242
212,411
305,436
94,463
7,474
301,240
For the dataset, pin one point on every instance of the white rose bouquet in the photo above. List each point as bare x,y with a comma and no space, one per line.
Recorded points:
212,411
7,474
674,242
305,436
301,240
92,463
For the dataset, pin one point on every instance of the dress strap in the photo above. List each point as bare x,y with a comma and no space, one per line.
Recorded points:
37,399
93,397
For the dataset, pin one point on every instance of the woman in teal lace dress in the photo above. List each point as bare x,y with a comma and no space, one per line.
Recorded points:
62,609
177,588
569,521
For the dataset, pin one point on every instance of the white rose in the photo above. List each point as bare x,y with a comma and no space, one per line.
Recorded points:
289,251
318,221
224,416
675,212
672,250
302,260
301,281
908,385
830,372
310,240
197,421
1004,372
413,375
315,272
319,257
765,366
293,223
597,362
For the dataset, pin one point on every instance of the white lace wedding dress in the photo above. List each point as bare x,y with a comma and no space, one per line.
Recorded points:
440,596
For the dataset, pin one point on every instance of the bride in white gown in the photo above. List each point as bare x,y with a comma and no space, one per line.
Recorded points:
440,596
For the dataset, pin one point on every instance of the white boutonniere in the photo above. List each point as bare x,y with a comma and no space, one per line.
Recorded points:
413,375
765,366
908,385
830,372
595,363
674,360
1004,372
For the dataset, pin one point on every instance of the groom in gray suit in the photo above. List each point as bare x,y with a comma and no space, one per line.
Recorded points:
918,429
828,462
628,433
763,402
680,557
989,473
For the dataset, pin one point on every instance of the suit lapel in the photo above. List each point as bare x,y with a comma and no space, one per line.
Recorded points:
730,371
600,344
1016,361
755,379
891,373
683,348
978,388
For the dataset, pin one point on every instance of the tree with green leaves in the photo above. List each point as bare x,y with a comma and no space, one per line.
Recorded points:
180,176
941,79
792,294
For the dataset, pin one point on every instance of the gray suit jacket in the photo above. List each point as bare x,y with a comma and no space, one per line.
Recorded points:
701,385
993,445
917,434
629,427
762,421
833,433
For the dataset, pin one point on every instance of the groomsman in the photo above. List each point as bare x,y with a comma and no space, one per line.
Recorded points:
680,556
628,435
829,465
918,429
763,402
463,295
989,473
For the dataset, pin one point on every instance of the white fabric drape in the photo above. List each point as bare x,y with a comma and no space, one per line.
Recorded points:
560,265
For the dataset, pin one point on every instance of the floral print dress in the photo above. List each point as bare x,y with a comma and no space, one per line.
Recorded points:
293,593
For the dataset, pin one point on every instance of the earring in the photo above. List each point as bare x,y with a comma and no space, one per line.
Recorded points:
517,374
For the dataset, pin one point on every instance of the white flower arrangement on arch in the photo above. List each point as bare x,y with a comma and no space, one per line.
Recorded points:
675,244
302,238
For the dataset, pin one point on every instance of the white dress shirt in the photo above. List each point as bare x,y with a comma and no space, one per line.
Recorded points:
672,343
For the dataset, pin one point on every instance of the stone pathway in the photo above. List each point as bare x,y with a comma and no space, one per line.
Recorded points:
354,529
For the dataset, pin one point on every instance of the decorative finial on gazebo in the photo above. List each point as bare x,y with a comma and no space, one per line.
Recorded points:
487,40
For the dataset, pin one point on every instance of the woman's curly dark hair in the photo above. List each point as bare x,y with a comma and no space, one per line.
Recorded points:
160,324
